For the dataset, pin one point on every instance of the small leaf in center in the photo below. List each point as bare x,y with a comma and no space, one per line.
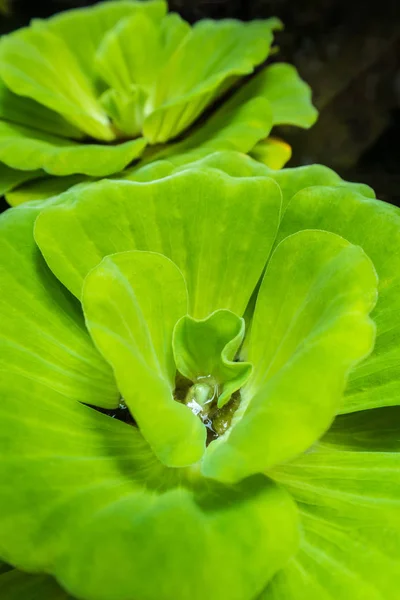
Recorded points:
205,351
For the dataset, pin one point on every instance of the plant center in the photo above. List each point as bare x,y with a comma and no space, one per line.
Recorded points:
201,397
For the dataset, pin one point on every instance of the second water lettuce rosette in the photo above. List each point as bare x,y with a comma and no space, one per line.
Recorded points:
91,90
200,383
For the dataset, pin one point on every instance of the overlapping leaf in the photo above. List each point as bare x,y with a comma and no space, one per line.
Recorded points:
272,152
82,487
132,301
249,115
195,219
38,64
348,491
25,111
83,29
310,326
43,336
43,188
375,226
290,181
288,95
82,76
205,352
202,67
27,149
120,58
10,178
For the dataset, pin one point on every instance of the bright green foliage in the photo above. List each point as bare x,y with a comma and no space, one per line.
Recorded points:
273,152
43,332
288,95
58,83
84,29
205,351
220,52
90,91
310,318
10,178
28,150
231,310
132,301
348,492
374,226
105,222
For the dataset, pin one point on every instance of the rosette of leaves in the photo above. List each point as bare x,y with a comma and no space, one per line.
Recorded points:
199,388
88,92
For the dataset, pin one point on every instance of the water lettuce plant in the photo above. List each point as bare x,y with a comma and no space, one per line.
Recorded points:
89,91
200,385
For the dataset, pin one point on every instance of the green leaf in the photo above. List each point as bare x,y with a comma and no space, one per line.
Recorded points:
121,60
238,124
147,172
375,226
204,66
132,73
290,180
24,111
235,164
232,127
248,117
348,490
205,349
17,585
173,216
29,149
305,338
273,152
82,487
43,336
38,64
43,188
132,301
84,29
288,95
11,178
120,57
126,109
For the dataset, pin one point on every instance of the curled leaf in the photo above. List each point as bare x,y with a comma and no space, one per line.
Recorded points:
205,350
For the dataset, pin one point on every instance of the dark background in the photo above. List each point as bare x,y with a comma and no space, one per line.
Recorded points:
349,52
